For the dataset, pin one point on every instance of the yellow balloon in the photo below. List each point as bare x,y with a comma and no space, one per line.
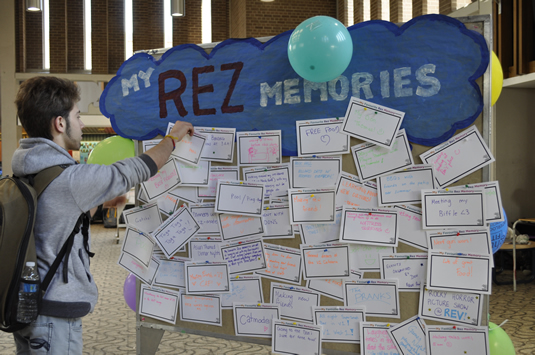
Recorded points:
497,78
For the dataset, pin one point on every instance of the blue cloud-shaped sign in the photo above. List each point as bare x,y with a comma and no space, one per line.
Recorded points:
426,68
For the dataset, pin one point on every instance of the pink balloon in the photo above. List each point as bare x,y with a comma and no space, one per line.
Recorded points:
129,291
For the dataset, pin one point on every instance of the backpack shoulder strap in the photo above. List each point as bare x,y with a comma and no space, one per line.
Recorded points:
45,177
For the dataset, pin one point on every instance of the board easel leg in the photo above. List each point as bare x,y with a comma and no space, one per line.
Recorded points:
147,340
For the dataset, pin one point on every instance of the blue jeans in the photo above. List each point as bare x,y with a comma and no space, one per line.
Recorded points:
50,335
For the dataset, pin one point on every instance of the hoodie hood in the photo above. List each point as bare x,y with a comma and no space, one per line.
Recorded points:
36,154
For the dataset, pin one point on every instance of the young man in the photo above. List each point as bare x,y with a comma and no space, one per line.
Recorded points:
47,108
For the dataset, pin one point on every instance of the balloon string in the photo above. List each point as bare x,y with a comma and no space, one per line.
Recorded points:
499,326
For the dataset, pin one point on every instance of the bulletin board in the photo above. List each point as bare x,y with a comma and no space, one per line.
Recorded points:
150,331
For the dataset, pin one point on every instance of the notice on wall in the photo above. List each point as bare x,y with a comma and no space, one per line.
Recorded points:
351,192
493,198
259,148
370,226
451,307
207,277
175,232
277,222
206,218
312,206
171,273
217,173
296,302
139,270
444,209
367,256
372,160
219,144
187,194
295,338
201,309
167,203
205,249
326,261
283,264
380,297
321,233
190,149
167,178
321,137
409,269
146,217
254,320
243,289
276,178
374,339
240,198
159,303
409,336
372,122
237,227
333,288
244,257
474,241
317,172
459,272
457,340
340,324
410,226
458,157
193,175
138,245
404,187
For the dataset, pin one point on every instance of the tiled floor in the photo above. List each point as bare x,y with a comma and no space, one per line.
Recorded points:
111,328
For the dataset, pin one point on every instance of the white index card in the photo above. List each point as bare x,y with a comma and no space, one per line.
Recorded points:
159,303
372,122
276,178
410,226
373,160
374,339
140,271
458,157
206,218
207,277
321,137
190,149
295,338
254,320
237,227
283,264
373,226
322,233
367,256
217,173
244,257
193,175
171,273
409,336
219,145
404,187
340,324
277,222
243,289
205,249
312,206
444,340
259,148
146,217
139,245
317,172
296,302
494,207
333,288
409,269
326,261
351,192
167,178
443,209
201,309
380,297
239,198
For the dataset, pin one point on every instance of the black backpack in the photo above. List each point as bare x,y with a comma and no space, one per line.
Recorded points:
18,204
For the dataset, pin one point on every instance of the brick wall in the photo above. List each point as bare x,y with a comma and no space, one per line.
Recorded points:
188,29
75,35
148,24
220,20
362,10
58,36
99,36
34,39
20,58
116,35
238,26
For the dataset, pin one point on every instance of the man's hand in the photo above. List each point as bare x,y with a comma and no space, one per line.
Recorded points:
180,129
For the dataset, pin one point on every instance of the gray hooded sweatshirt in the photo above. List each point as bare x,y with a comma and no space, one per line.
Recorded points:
76,190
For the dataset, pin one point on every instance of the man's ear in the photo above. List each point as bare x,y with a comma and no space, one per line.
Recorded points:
59,125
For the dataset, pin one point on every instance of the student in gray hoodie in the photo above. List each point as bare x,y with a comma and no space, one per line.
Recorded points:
47,108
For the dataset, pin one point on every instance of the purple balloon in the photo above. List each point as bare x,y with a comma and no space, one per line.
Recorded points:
129,291
498,232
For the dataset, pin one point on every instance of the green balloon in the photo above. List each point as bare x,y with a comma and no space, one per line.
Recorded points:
499,341
111,150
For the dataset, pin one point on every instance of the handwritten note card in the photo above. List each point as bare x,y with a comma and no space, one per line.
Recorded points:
254,320
453,209
374,339
457,340
296,302
259,148
206,218
409,269
340,324
295,338
312,206
171,273
451,307
326,261
159,303
190,149
350,191
373,160
277,222
139,245
321,233
244,257
167,204
410,226
201,309
380,297
237,227
283,264
372,122
409,336
166,179
238,197
207,277
321,137
459,272
458,157
276,178
217,173
193,175
315,172
370,226
143,273
146,218
333,288
175,232
494,206
404,187
187,194
367,256
205,249
476,241
219,144
243,289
